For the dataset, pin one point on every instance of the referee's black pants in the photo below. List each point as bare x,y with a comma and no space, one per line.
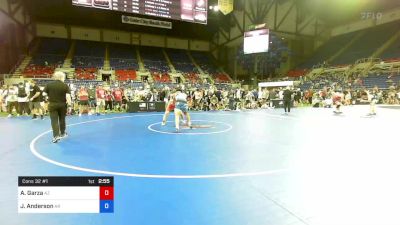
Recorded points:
23,107
109,105
58,111
286,105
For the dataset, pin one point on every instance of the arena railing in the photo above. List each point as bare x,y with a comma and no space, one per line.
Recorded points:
364,60
395,71
318,66
20,59
38,76
3,77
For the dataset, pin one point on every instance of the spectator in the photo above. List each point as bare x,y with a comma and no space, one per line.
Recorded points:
23,101
2,99
83,97
35,98
11,100
100,100
214,102
117,93
92,99
124,102
109,98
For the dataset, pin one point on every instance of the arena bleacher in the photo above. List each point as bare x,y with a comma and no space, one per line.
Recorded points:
205,62
367,44
351,50
182,63
154,59
88,57
49,55
391,54
123,60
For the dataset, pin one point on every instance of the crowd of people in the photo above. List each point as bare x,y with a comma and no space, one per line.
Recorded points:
29,99
23,99
322,97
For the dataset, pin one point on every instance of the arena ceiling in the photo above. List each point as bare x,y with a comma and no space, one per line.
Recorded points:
331,12
62,11
336,12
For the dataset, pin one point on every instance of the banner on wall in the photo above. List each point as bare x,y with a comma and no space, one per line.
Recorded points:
146,22
276,84
225,6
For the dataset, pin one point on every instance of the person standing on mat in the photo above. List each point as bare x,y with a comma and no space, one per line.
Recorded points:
59,96
181,108
337,101
100,100
373,99
23,101
287,99
169,108
35,98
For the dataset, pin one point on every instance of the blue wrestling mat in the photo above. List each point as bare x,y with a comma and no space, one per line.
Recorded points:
232,168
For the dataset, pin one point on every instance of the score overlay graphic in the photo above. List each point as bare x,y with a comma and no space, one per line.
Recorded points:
65,194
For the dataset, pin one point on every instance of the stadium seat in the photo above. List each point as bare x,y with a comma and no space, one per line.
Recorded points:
161,77
154,59
123,57
86,73
49,55
125,75
89,54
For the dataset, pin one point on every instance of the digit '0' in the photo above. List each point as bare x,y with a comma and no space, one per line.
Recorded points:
106,206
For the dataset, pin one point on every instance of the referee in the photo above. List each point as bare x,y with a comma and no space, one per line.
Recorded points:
287,99
59,95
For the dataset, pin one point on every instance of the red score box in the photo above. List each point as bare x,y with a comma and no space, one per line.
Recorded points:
106,193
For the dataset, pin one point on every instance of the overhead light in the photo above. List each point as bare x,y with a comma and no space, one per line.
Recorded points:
200,17
216,8
200,3
211,7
